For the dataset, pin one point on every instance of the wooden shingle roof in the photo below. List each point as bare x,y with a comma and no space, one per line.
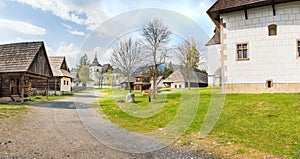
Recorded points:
216,39
59,66
180,76
225,6
17,57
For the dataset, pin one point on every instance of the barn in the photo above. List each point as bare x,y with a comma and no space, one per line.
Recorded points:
20,63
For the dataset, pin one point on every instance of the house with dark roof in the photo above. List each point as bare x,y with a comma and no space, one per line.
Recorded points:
124,83
76,82
159,82
258,43
62,79
142,82
20,63
178,79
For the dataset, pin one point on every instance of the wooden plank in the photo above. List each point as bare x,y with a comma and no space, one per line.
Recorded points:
21,85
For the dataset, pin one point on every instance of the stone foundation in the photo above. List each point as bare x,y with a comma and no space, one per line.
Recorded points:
255,88
5,99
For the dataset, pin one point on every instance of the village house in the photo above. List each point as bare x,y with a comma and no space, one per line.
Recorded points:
159,82
95,73
178,79
116,77
214,60
20,63
259,44
124,83
141,82
76,82
62,79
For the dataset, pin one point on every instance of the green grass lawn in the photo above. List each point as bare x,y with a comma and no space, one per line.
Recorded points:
7,110
50,98
269,123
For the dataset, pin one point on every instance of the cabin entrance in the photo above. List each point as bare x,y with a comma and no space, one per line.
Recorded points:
14,86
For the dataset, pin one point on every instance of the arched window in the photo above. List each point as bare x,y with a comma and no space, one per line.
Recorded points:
272,29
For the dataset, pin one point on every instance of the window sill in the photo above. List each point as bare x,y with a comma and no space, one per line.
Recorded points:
247,59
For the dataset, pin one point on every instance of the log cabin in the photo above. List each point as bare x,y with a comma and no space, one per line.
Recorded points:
61,81
142,82
20,63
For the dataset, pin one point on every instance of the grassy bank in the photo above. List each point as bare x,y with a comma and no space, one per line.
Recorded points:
268,123
52,97
7,110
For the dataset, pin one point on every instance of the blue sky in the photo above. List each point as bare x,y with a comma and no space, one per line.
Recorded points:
65,25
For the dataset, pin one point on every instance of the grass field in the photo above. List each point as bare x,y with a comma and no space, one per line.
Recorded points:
268,123
7,110
56,97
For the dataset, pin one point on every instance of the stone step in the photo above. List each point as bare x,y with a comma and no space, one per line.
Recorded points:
16,98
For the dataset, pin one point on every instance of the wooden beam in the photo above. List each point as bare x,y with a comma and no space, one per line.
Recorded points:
21,85
47,89
55,80
273,7
246,13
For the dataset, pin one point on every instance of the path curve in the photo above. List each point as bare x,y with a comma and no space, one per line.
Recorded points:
55,130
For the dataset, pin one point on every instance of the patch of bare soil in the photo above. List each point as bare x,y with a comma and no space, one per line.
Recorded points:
224,150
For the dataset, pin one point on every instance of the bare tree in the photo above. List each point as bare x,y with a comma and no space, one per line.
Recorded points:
99,77
126,57
156,36
189,56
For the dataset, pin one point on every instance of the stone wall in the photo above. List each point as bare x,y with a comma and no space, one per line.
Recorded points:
254,88
270,57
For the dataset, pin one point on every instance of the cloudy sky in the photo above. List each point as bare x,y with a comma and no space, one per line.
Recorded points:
66,25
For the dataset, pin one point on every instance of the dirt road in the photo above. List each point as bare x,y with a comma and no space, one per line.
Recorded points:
56,130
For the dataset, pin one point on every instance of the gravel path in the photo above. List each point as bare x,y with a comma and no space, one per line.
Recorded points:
58,130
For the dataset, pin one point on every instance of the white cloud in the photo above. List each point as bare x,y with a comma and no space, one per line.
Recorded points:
67,26
22,27
92,13
18,39
73,31
80,12
2,4
70,51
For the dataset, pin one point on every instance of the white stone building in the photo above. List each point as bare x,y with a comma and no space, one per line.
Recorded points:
259,45
214,61
95,73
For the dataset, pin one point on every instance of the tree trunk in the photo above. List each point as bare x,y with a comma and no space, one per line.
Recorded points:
189,78
128,83
154,73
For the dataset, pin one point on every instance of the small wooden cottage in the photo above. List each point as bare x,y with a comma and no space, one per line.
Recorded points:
61,81
20,63
76,82
124,83
178,79
141,82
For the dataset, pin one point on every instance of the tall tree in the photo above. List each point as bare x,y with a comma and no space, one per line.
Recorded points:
84,74
83,61
156,36
126,56
189,56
